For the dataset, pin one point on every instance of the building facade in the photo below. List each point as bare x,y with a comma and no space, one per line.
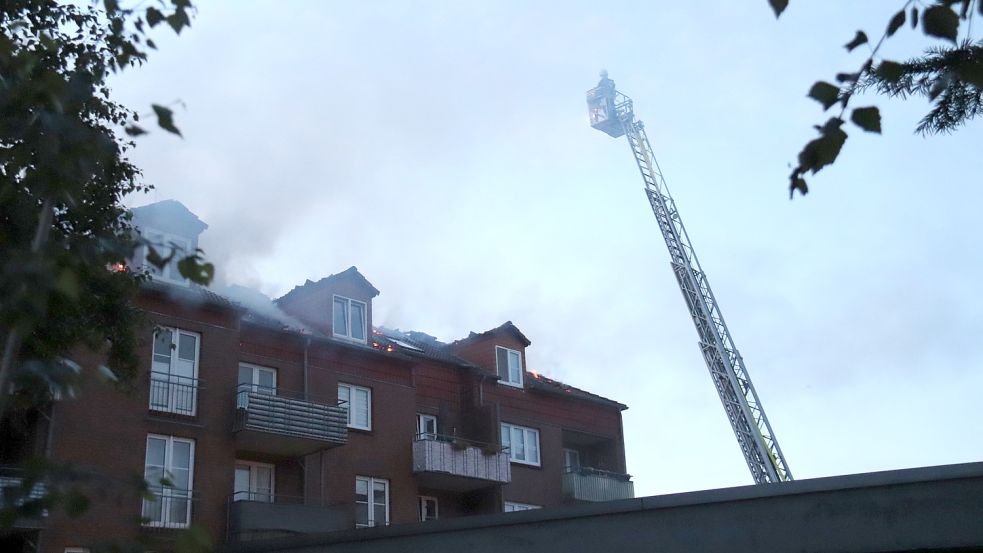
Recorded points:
254,419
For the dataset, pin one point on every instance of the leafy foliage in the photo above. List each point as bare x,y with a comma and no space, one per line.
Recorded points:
64,233
949,76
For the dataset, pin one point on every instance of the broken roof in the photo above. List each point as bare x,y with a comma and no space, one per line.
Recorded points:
506,327
547,385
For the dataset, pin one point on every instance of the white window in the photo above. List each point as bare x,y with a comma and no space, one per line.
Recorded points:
371,501
174,372
165,244
522,444
428,508
254,379
169,471
358,401
571,460
512,506
254,482
426,426
509,363
348,318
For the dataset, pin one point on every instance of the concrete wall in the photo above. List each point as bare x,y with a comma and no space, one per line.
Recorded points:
930,508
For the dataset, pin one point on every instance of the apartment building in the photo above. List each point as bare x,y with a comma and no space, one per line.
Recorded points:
254,419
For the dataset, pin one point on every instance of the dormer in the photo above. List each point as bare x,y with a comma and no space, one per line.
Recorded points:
172,229
501,350
339,305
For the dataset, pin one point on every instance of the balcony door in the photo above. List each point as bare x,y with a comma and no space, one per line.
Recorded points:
426,427
255,379
254,482
174,372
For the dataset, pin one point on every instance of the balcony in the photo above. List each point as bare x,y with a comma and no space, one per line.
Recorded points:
173,394
588,484
454,464
166,507
255,516
19,493
273,421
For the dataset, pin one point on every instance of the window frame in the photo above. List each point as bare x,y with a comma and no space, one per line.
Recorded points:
251,493
173,379
515,507
526,431
508,380
168,468
421,431
165,239
567,454
348,319
423,510
370,505
352,388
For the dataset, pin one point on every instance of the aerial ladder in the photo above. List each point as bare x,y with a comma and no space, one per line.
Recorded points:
612,112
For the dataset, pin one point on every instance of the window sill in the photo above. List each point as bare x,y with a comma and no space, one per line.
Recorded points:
350,339
526,464
358,430
511,384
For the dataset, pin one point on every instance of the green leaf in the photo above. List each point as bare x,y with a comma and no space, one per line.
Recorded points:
797,183
193,540
111,5
76,503
889,71
68,283
914,17
860,38
135,130
847,77
178,20
823,151
940,21
868,119
192,269
896,22
154,16
824,93
165,118
779,6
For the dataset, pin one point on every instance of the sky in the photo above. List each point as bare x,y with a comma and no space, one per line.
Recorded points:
443,148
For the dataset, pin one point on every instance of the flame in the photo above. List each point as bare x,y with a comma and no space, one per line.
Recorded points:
535,375
117,267
389,348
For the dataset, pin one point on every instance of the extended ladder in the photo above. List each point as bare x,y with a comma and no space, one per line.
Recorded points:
612,113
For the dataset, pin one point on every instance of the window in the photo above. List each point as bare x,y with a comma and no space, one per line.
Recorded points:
509,363
512,506
371,501
169,470
254,482
358,401
426,426
428,508
174,372
522,444
254,379
165,244
571,460
348,319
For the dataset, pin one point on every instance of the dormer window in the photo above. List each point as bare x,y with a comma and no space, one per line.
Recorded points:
348,319
165,244
509,364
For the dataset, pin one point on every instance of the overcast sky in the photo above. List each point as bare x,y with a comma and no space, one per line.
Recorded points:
443,149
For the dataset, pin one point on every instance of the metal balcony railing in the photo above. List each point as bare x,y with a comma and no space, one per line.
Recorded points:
19,493
454,456
590,484
290,414
169,508
258,514
171,393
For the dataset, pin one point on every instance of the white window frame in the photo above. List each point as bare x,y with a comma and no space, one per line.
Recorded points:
252,494
421,427
371,481
508,381
423,508
530,436
162,243
569,453
348,319
348,407
165,491
170,386
514,506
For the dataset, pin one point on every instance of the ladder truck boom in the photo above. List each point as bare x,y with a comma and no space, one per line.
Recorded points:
612,112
